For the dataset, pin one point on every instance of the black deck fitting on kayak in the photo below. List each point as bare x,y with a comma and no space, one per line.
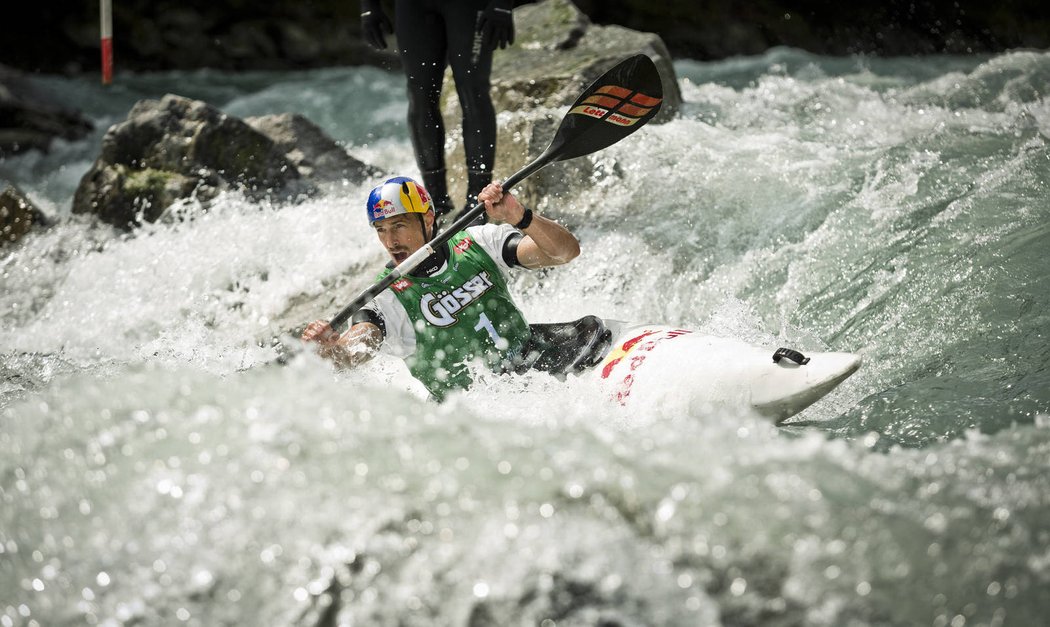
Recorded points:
794,356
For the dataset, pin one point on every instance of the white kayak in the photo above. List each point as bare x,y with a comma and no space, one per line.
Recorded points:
654,363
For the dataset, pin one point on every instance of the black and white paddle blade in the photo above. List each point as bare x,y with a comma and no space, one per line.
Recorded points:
619,103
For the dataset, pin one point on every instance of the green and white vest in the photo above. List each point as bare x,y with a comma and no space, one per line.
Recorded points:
460,315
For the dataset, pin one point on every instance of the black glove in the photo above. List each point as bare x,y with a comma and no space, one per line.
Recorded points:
497,25
374,23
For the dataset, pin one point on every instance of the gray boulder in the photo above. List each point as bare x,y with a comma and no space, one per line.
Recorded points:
30,119
316,155
174,148
557,53
177,148
18,215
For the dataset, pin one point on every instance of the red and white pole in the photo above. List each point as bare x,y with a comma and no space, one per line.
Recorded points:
106,11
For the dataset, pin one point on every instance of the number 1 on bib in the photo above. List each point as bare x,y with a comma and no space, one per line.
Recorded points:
485,324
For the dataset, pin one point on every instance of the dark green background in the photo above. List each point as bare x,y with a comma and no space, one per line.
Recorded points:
238,34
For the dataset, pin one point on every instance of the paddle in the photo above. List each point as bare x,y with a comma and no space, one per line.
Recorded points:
617,104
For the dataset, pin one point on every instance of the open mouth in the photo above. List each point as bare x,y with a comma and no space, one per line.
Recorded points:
399,256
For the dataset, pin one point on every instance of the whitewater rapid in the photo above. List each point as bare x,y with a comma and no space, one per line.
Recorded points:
897,208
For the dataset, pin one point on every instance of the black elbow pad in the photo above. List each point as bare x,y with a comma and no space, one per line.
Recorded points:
510,250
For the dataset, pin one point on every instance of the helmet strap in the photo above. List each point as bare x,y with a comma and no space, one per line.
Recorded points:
423,226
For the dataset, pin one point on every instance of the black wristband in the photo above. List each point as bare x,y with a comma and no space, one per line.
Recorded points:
526,220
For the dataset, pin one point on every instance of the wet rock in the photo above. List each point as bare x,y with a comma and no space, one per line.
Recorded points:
316,155
18,215
30,119
175,148
557,52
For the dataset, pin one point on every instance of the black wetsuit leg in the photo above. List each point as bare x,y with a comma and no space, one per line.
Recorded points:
431,35
472,71
420,30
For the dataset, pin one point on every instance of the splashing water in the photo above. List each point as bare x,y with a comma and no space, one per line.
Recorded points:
892,207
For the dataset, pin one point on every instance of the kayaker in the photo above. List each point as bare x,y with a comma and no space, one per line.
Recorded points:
433,35
454,309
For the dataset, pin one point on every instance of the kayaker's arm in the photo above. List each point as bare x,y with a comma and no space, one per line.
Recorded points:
546,243
353,348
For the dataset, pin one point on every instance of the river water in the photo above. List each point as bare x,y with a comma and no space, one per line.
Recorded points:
898,208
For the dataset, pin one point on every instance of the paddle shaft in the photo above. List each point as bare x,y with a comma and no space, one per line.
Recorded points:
417,257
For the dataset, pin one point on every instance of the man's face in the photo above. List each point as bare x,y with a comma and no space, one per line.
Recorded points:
402,235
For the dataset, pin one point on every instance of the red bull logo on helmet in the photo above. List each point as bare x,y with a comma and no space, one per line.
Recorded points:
382,209
397,196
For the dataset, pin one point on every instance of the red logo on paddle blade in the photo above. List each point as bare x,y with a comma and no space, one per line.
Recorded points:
602,101
590,111
621,120
617,105
645,101
614,90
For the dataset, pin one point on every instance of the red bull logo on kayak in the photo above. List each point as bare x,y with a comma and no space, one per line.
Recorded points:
617,354
616,105
634,350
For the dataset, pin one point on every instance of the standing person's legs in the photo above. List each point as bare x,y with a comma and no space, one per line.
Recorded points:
421,40
472,68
